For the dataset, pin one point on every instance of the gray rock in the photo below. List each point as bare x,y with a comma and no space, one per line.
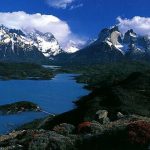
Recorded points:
102,116
120,115
130,37
104,34
115,37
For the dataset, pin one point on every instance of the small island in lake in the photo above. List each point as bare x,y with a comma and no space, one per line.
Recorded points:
18,107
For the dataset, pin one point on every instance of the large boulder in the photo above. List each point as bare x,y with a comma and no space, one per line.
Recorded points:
120,115
102,116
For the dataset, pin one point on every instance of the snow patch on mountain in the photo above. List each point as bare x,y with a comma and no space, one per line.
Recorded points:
71,47
44,42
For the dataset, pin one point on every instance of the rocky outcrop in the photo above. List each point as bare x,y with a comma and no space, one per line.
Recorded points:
102,116
130,37
120,115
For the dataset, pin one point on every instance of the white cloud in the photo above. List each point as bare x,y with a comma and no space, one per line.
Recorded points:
60,3
141,25
44,23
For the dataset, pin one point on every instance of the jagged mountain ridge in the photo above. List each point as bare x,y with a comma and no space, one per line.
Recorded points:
16,45
128,44
112,46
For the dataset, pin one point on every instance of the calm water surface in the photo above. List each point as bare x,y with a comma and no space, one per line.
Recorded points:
53,96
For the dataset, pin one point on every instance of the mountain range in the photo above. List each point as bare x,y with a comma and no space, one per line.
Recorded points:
111,46
35,46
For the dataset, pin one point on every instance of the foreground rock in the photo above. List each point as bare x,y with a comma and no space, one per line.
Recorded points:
129,132
22,106
102,116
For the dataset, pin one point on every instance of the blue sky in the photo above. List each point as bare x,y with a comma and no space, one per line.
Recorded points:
85,18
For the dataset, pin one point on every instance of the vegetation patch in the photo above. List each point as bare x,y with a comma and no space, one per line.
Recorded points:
22,106
24,71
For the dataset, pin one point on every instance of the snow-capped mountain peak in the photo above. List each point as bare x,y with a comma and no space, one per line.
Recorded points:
15,41
71,47
46,43
129,43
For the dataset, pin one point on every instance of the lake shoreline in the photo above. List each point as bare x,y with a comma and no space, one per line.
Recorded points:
46,109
